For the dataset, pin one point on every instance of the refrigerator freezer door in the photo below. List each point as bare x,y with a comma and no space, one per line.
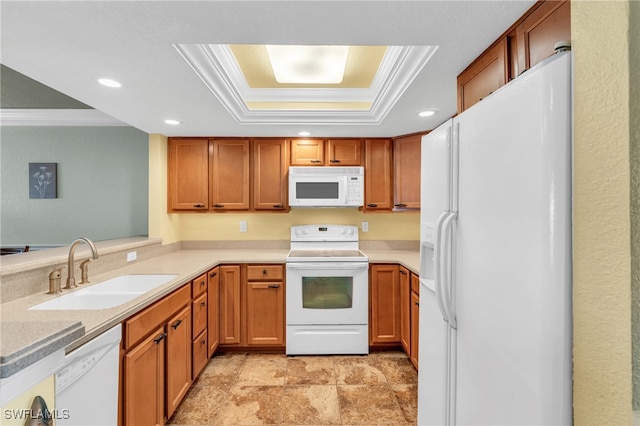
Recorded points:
513,253
435,184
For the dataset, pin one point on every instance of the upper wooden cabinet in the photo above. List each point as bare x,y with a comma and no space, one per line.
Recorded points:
332,152
188,174
270,174
378,175
548,23
527,42
406,176
484,76
229,174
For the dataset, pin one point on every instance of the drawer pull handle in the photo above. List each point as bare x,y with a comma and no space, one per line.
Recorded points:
264,272
274,285
401,205
160,338
203,283
204,342
316,161
278,206
198,206
176,324
403,272
334,161
218,206
213,274
203,304
417,303
372,205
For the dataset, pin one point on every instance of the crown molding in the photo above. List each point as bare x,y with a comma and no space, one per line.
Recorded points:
218,69
57,117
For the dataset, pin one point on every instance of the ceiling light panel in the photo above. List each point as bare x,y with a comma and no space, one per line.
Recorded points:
308,64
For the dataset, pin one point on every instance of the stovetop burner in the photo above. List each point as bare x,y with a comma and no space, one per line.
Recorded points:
318,243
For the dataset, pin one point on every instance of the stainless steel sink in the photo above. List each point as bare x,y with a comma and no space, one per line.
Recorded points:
106,294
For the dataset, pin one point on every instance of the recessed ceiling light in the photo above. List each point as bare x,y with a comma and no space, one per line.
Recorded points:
109,82
308,64
428,113
304,133
172,122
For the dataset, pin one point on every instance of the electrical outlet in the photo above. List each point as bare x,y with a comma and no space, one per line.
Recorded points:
365,226
243,226
131,256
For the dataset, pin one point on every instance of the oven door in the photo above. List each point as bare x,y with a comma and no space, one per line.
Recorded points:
327,293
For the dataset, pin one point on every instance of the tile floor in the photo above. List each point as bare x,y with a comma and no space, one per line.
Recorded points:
273,389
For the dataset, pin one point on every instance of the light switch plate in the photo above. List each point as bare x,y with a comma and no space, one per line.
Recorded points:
365,226
243,226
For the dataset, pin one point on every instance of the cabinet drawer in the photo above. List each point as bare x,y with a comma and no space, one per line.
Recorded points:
199,311
147,320
199,285
415,283
264,272
199,352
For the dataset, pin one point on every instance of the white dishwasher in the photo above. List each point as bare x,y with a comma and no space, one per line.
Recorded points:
87,383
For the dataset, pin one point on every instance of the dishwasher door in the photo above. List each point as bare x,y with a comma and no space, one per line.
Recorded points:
87,384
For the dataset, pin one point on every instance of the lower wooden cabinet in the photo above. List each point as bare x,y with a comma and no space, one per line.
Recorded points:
415,320
229,281
144,381
178,362
405,309
265,305
213,315
384,305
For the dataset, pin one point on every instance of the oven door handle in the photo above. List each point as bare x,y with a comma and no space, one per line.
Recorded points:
328,265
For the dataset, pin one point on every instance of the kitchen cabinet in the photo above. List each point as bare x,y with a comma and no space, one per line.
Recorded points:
265,315
199,311
188,172
484,76
179,358
229,281
213,314
332,152
378,175
229,174
545,24
384,305
156,360
270,165
405,309
414,320
406,158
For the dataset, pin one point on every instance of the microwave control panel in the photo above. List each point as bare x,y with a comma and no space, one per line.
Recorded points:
355,189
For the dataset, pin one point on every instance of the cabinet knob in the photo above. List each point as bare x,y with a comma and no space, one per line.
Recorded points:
160,338
403,272
417,303
264,272
203,283
203,304
204,342
213,274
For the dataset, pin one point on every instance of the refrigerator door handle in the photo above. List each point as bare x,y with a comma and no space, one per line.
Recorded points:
447,291
437,273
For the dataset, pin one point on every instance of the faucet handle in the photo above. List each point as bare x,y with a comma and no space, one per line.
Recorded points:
84,269
54,281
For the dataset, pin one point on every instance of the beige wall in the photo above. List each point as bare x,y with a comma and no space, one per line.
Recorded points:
261,226
602,277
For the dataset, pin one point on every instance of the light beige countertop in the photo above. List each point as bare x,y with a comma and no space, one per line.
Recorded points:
28,335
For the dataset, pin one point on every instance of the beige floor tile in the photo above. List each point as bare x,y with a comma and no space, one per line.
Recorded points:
251,405
397,369
368,404
407,397
201,404
311,405
310,370
262,371
357,371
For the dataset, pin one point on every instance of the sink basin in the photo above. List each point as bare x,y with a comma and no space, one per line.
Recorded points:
106,294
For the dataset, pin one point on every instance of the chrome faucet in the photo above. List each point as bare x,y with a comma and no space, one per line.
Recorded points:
71,281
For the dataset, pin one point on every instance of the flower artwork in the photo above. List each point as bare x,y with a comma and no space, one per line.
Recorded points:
42,180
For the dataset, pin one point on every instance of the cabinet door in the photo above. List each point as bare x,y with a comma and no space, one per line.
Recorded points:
230,174
406,154
384,296
405,310
415,320
213,304
143,368
229,304
547,24
199,314
178,358
188,174
270,174
378,174
265,313
199,352
484,76
307,152
344,152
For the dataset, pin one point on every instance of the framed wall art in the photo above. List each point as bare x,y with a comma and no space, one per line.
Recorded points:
43,180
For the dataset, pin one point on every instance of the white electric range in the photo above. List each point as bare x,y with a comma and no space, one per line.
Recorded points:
327,291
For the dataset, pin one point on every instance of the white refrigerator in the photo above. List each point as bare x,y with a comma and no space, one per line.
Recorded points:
495,295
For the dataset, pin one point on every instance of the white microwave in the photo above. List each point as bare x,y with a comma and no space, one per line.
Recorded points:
316,186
